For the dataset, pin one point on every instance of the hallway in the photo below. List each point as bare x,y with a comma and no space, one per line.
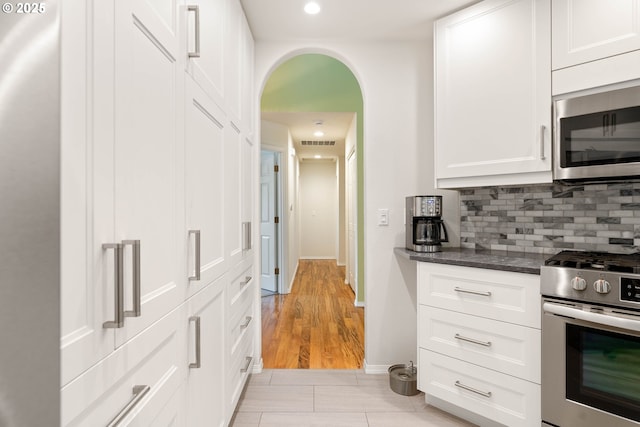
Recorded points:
316,326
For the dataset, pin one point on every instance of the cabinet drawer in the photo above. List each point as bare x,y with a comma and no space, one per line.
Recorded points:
240,366
500,295
153,359
505,347
240,289
498,397
239,328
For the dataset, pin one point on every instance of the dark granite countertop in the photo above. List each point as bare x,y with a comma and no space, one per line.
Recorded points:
494,260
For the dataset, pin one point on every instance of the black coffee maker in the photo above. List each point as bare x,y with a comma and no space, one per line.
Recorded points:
424,224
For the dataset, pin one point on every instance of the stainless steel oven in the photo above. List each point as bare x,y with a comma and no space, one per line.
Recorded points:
597,136
591,340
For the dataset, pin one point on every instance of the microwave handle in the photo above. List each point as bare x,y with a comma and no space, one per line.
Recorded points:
543,128
587,316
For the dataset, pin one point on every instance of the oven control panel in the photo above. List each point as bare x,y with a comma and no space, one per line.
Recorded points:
630,289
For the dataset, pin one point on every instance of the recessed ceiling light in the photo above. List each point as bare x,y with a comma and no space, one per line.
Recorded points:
317,156
312,8
318,133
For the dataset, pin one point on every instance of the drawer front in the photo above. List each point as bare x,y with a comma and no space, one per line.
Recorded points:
500,295
241,290
153,359
240,366
505,347
240,327
498,397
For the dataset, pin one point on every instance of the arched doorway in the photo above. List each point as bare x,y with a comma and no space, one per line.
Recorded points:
319,92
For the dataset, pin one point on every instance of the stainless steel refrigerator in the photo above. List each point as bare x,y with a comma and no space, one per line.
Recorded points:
29,214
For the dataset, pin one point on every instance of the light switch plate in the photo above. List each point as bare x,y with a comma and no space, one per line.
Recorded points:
383,217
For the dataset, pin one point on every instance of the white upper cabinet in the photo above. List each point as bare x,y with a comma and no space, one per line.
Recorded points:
493,95
233,62
588,30
205,45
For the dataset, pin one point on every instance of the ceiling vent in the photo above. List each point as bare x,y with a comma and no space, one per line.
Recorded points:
318,143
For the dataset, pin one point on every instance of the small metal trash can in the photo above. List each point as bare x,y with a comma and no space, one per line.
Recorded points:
403,379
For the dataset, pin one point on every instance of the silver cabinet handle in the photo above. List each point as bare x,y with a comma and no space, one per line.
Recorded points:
542,129
137,305
139,391
247,279
197,271
196,9
469,291
246,236
472,340
247,364
474,390
196,320
118,274
246,323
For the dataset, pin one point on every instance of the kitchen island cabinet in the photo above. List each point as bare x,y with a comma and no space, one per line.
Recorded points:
493,95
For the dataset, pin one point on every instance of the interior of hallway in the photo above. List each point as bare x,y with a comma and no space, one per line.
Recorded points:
316,326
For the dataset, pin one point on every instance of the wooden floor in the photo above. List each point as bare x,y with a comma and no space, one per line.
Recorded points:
315,326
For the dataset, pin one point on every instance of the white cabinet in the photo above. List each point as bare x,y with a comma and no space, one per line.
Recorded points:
588,30
493,95
479,341
206,356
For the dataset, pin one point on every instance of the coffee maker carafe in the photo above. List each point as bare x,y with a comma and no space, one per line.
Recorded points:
425,228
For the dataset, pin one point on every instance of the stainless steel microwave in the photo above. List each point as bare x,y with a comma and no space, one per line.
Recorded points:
597,136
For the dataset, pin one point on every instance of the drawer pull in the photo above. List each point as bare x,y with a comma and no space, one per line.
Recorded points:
196,320
247,279
246,366
246,323
469,291
139,391
473,390
474,341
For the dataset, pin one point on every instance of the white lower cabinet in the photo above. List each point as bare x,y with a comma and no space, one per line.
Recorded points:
479,342
206,356
134,385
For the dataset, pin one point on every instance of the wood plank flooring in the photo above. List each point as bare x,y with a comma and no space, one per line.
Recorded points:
316,326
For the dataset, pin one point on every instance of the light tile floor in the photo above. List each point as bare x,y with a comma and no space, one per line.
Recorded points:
332,398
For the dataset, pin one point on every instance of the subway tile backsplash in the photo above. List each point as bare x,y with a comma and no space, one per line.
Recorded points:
551,218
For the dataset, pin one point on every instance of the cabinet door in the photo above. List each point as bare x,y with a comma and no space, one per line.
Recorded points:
247,168
235,229
148,195
204,188
233,61
247,103
206,68
587,30
493,94
205,380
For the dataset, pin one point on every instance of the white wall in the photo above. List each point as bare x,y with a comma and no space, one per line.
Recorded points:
341,244
318,209
396,79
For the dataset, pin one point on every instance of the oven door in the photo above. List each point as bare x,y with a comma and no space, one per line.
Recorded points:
590,365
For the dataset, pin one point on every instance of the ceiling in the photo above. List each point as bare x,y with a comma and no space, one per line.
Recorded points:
340,20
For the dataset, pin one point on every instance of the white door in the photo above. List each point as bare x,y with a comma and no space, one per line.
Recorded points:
352,221
268,225
205,379
204,188
147,199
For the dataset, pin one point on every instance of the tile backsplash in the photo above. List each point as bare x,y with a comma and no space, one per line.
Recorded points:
551,218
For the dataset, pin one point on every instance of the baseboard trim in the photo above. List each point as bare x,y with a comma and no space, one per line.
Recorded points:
375,369
257,367
357,303
293,278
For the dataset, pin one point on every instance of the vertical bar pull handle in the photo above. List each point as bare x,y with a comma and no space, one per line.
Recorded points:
197,269
543,128
196,320
247,320
247,364
139,391
135,254
246,238
118,276
196,9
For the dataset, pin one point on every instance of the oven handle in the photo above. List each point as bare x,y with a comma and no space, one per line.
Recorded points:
587,316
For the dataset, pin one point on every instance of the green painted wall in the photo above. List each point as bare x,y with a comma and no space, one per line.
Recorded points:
313,82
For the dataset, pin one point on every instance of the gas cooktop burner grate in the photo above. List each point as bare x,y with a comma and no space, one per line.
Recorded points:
622,263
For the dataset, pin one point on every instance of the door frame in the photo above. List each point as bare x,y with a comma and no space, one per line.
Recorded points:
279,195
